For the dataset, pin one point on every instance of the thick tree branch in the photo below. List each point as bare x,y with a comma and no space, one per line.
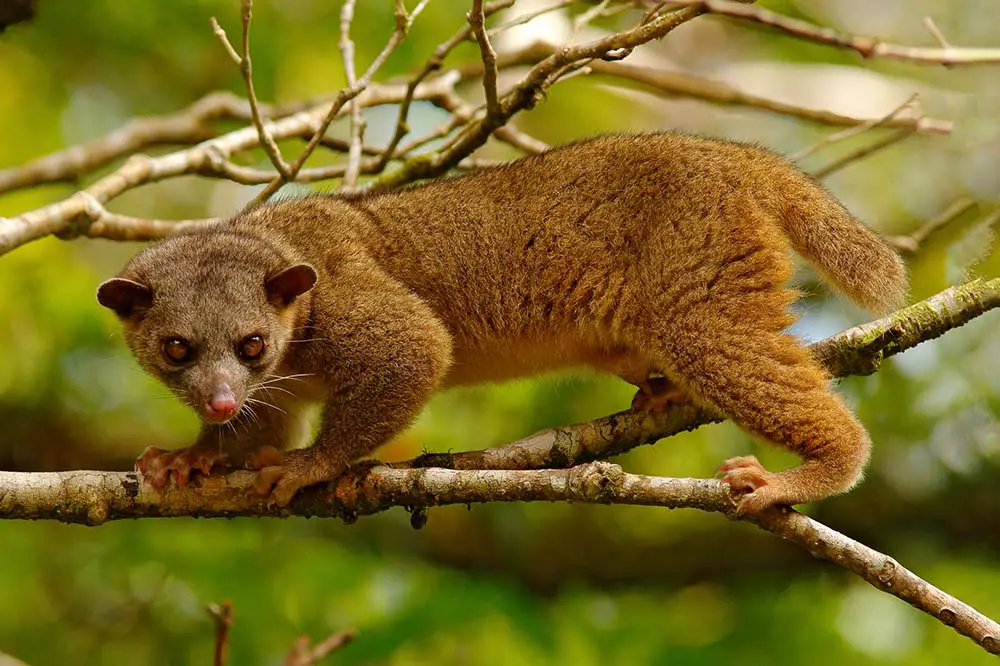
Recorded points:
95,497
856,351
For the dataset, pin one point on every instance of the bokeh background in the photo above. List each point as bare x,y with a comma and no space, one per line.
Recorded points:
501,584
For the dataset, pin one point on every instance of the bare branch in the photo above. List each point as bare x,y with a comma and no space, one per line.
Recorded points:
220,32
432,64
526,93
344,96
477,19
600,9
95,497
462,113
520,140
910,103
246,69
245,64
912,241
191,125
521,19
222,614
79,216
678,84
936,33
862,152
304,655
357,129
866,47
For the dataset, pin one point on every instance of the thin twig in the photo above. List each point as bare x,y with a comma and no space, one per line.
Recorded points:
858,129
678,84
226,44
863,152
345,95
589,15
222,614
461,113
246,71
521,19
936,33
304,655
357,128
477,19
911,242
432,64
866,47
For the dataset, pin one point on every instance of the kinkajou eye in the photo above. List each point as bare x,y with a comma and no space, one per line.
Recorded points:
251,348
177,350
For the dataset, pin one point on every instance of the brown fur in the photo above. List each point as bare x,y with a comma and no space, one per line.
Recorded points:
659,254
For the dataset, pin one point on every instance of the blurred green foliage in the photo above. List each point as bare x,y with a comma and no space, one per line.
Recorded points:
498,584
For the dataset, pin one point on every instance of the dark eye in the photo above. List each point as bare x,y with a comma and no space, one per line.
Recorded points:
177,350
251,348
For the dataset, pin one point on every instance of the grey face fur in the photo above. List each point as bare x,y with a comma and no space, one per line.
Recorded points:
204,314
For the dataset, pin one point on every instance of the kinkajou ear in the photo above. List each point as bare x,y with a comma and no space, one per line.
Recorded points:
284,287
125,297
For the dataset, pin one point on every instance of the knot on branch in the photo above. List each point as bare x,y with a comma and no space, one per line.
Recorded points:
597,482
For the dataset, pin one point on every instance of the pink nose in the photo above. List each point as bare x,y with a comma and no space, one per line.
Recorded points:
221,407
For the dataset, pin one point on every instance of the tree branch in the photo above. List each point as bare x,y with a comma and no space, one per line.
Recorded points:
857,351
222,618
303,654
679,84
190,125
477,19
912,241
357,128
866,47
95,497
863,152
244,62
526,93
345,95
82,213
861,128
